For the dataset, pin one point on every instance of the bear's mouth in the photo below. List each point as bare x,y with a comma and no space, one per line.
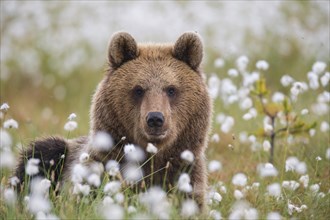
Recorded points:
153,136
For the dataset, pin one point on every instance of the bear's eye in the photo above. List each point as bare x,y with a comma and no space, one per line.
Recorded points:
171,91
138,91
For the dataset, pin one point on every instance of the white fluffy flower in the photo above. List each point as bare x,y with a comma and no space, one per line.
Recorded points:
112,187
293,164
102,141
242,63
214,197
219,62
324,127
238,194
232,72
266,170
278,97
79,173
274,190
5,139
274,216
214,214
215,138
155,200
188,156
112,211
266,145
239,179
83,189
227,124
9,196
132,173
84,157
119,198
327,154
314,188
14,181
262,65
319,67
325,79
291,185
10,123
189,208
40,186
4,107
304,111
112,167
72,116
38,203
133,153
151,148
214,165
313,80
214,86
246,103
304,180
94,180
286,80
32,166
7,159
184,183
70,126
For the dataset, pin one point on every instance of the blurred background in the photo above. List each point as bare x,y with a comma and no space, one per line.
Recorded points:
53,53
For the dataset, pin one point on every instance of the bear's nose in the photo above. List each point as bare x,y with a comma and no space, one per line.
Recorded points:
155,119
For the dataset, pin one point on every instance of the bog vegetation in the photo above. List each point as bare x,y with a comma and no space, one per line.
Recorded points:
269,150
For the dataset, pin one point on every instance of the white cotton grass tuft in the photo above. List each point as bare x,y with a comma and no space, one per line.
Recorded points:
239,179
7,159
215,215
46,216
293,164
151,148
314,188
324,127
184,183
4,107
266,145
304,180
290,185
132,173
274,216
262,65
155,200
83,189
14,181
305,111
232,73
9,196
214,197
5,139
286,80
327,153
238,194
274,190
10,124
70,126
266,170
214,165
242,210
325,79
188,156
227,124
112,211
72,116
102,141
79,173
112,187
38,203
214,86
94,180
215,138
40,186
84,157
319,67
32,166
189,208
219,62
134,153
112,167
242,63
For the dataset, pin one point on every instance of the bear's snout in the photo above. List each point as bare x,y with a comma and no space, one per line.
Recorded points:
155,119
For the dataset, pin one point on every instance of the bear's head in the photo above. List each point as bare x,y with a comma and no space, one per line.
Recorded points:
153,93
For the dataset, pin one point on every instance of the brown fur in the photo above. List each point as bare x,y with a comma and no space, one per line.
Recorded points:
157,70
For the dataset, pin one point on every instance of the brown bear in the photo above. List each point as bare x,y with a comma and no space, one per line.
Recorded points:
151,93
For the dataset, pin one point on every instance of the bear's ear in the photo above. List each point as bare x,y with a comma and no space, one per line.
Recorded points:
189,49
122,48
